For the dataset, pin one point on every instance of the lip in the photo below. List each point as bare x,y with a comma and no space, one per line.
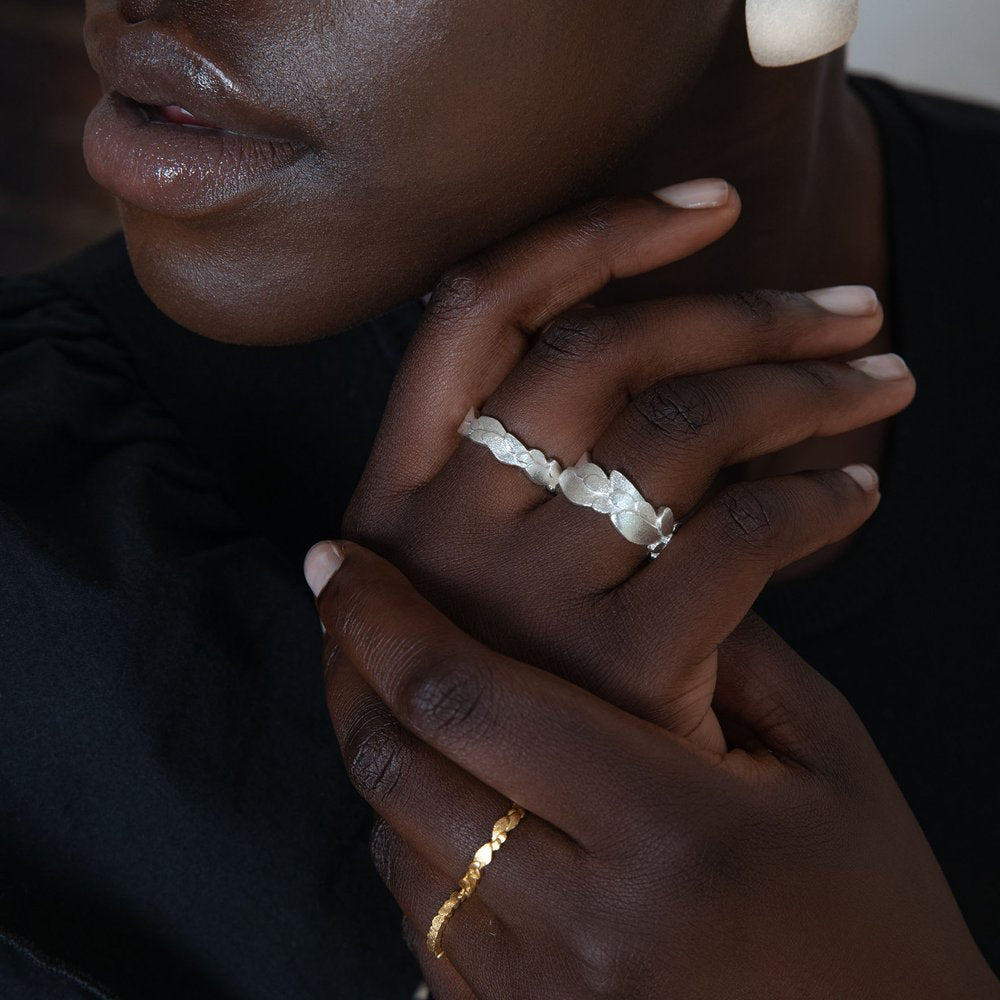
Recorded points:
175,169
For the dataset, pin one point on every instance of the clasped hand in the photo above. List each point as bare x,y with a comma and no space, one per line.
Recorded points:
706,816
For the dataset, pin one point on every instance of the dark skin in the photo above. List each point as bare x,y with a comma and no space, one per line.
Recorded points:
436,129
733,832
786,867
671,392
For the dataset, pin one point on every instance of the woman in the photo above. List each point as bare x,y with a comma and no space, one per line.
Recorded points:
705,815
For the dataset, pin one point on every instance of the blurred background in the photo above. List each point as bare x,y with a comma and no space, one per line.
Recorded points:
49,208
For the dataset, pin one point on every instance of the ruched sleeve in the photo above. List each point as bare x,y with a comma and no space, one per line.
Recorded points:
174,817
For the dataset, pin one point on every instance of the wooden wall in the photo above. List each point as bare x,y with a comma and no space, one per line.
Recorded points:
49,207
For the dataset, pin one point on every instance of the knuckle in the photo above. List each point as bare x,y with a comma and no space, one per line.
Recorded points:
597,219
750,514
760,310
675,409
572,337
450,704
465,291
609,963
383,846
713,851
816,373
375,755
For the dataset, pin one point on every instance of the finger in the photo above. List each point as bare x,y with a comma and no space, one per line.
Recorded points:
675,438
475,942
587,365
442,980
484,312
768,694
539,740
702,587
673,441
444,812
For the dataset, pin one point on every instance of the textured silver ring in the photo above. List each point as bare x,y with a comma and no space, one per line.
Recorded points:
588,485
508,449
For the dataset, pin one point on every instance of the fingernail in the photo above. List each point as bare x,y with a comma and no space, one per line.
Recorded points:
846,300
710,192
864,475
321,562
884,367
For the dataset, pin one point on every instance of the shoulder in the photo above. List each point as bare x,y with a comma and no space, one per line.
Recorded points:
89,462
52,321
933,116
32,308
65,385
954,143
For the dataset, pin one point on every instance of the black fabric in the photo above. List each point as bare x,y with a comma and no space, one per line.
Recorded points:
174,816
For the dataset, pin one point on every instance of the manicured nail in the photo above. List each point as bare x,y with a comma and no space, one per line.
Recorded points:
846,300
864,475
884,367
321,562
710,192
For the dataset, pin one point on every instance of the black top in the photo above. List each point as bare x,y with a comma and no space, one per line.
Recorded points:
175,820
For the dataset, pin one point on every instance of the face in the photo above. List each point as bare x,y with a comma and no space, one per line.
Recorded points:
287,168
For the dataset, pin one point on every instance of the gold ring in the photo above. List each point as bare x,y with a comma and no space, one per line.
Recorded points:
468,882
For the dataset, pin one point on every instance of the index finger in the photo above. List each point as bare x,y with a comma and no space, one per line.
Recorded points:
484,312
552,747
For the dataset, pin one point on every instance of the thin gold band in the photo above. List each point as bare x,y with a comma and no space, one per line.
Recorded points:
468,882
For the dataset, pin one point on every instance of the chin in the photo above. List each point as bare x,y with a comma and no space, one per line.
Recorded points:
263,289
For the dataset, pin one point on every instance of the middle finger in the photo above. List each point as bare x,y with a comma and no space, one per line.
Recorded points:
587,366
675,439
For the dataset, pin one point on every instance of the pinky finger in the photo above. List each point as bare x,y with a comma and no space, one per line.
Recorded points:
731,548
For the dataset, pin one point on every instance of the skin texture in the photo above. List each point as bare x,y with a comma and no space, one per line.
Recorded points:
435,129
788,866
547,582
733,833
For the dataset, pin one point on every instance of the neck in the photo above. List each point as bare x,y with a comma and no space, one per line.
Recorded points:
802,152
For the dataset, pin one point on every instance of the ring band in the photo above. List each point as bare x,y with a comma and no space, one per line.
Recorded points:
468,882
585,484
588,485
508,449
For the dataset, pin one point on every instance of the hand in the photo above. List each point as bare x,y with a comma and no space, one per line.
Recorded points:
668,392
786,867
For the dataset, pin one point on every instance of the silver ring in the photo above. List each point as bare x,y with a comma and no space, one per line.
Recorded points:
508,449
588,485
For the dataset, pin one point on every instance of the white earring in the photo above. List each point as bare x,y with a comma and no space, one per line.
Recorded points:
786,32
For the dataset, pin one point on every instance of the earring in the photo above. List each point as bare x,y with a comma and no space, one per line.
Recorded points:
786,32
